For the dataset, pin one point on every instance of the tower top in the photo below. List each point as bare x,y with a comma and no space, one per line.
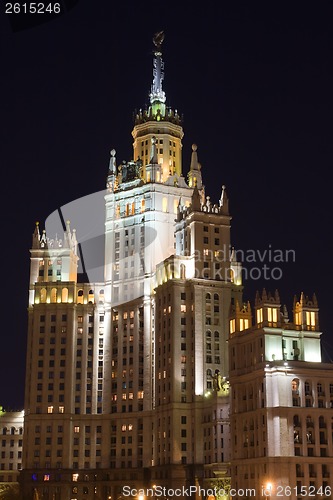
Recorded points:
157,94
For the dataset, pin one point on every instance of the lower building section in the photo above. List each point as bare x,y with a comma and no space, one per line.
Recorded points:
181,481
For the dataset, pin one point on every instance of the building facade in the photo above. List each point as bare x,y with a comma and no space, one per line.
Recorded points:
281,401
128,381
11,435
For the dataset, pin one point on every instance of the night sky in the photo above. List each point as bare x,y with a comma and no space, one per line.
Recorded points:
254,82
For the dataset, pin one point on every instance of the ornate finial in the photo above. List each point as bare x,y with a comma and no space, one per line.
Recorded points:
158,39
194,147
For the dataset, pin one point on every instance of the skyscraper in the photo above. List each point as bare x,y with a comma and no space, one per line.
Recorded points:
127,383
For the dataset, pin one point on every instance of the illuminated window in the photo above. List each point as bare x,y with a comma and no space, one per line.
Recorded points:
297,318
43,295
310,319
243,324
143,205
124,428
61,409
54,295
50,409
140,395
64,295
271,314
75,477
259,316
164,204
76,428
46,477
232,325
130,427
183,308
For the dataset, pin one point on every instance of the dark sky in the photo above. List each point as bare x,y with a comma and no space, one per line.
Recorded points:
254,82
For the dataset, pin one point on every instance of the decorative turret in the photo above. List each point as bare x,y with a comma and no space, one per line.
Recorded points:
306,313
53,261
224,201
194,175
240,317
267,309
36,237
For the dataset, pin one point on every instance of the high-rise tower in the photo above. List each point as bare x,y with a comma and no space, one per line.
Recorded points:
126,380
130,385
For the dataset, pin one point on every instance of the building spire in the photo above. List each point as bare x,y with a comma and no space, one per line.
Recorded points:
157,94
194,175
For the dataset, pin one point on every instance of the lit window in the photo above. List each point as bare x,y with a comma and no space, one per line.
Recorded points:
61,409
259,316
50,409
75,477
77,428
46,477
272,314
310,318
243,324
297,318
